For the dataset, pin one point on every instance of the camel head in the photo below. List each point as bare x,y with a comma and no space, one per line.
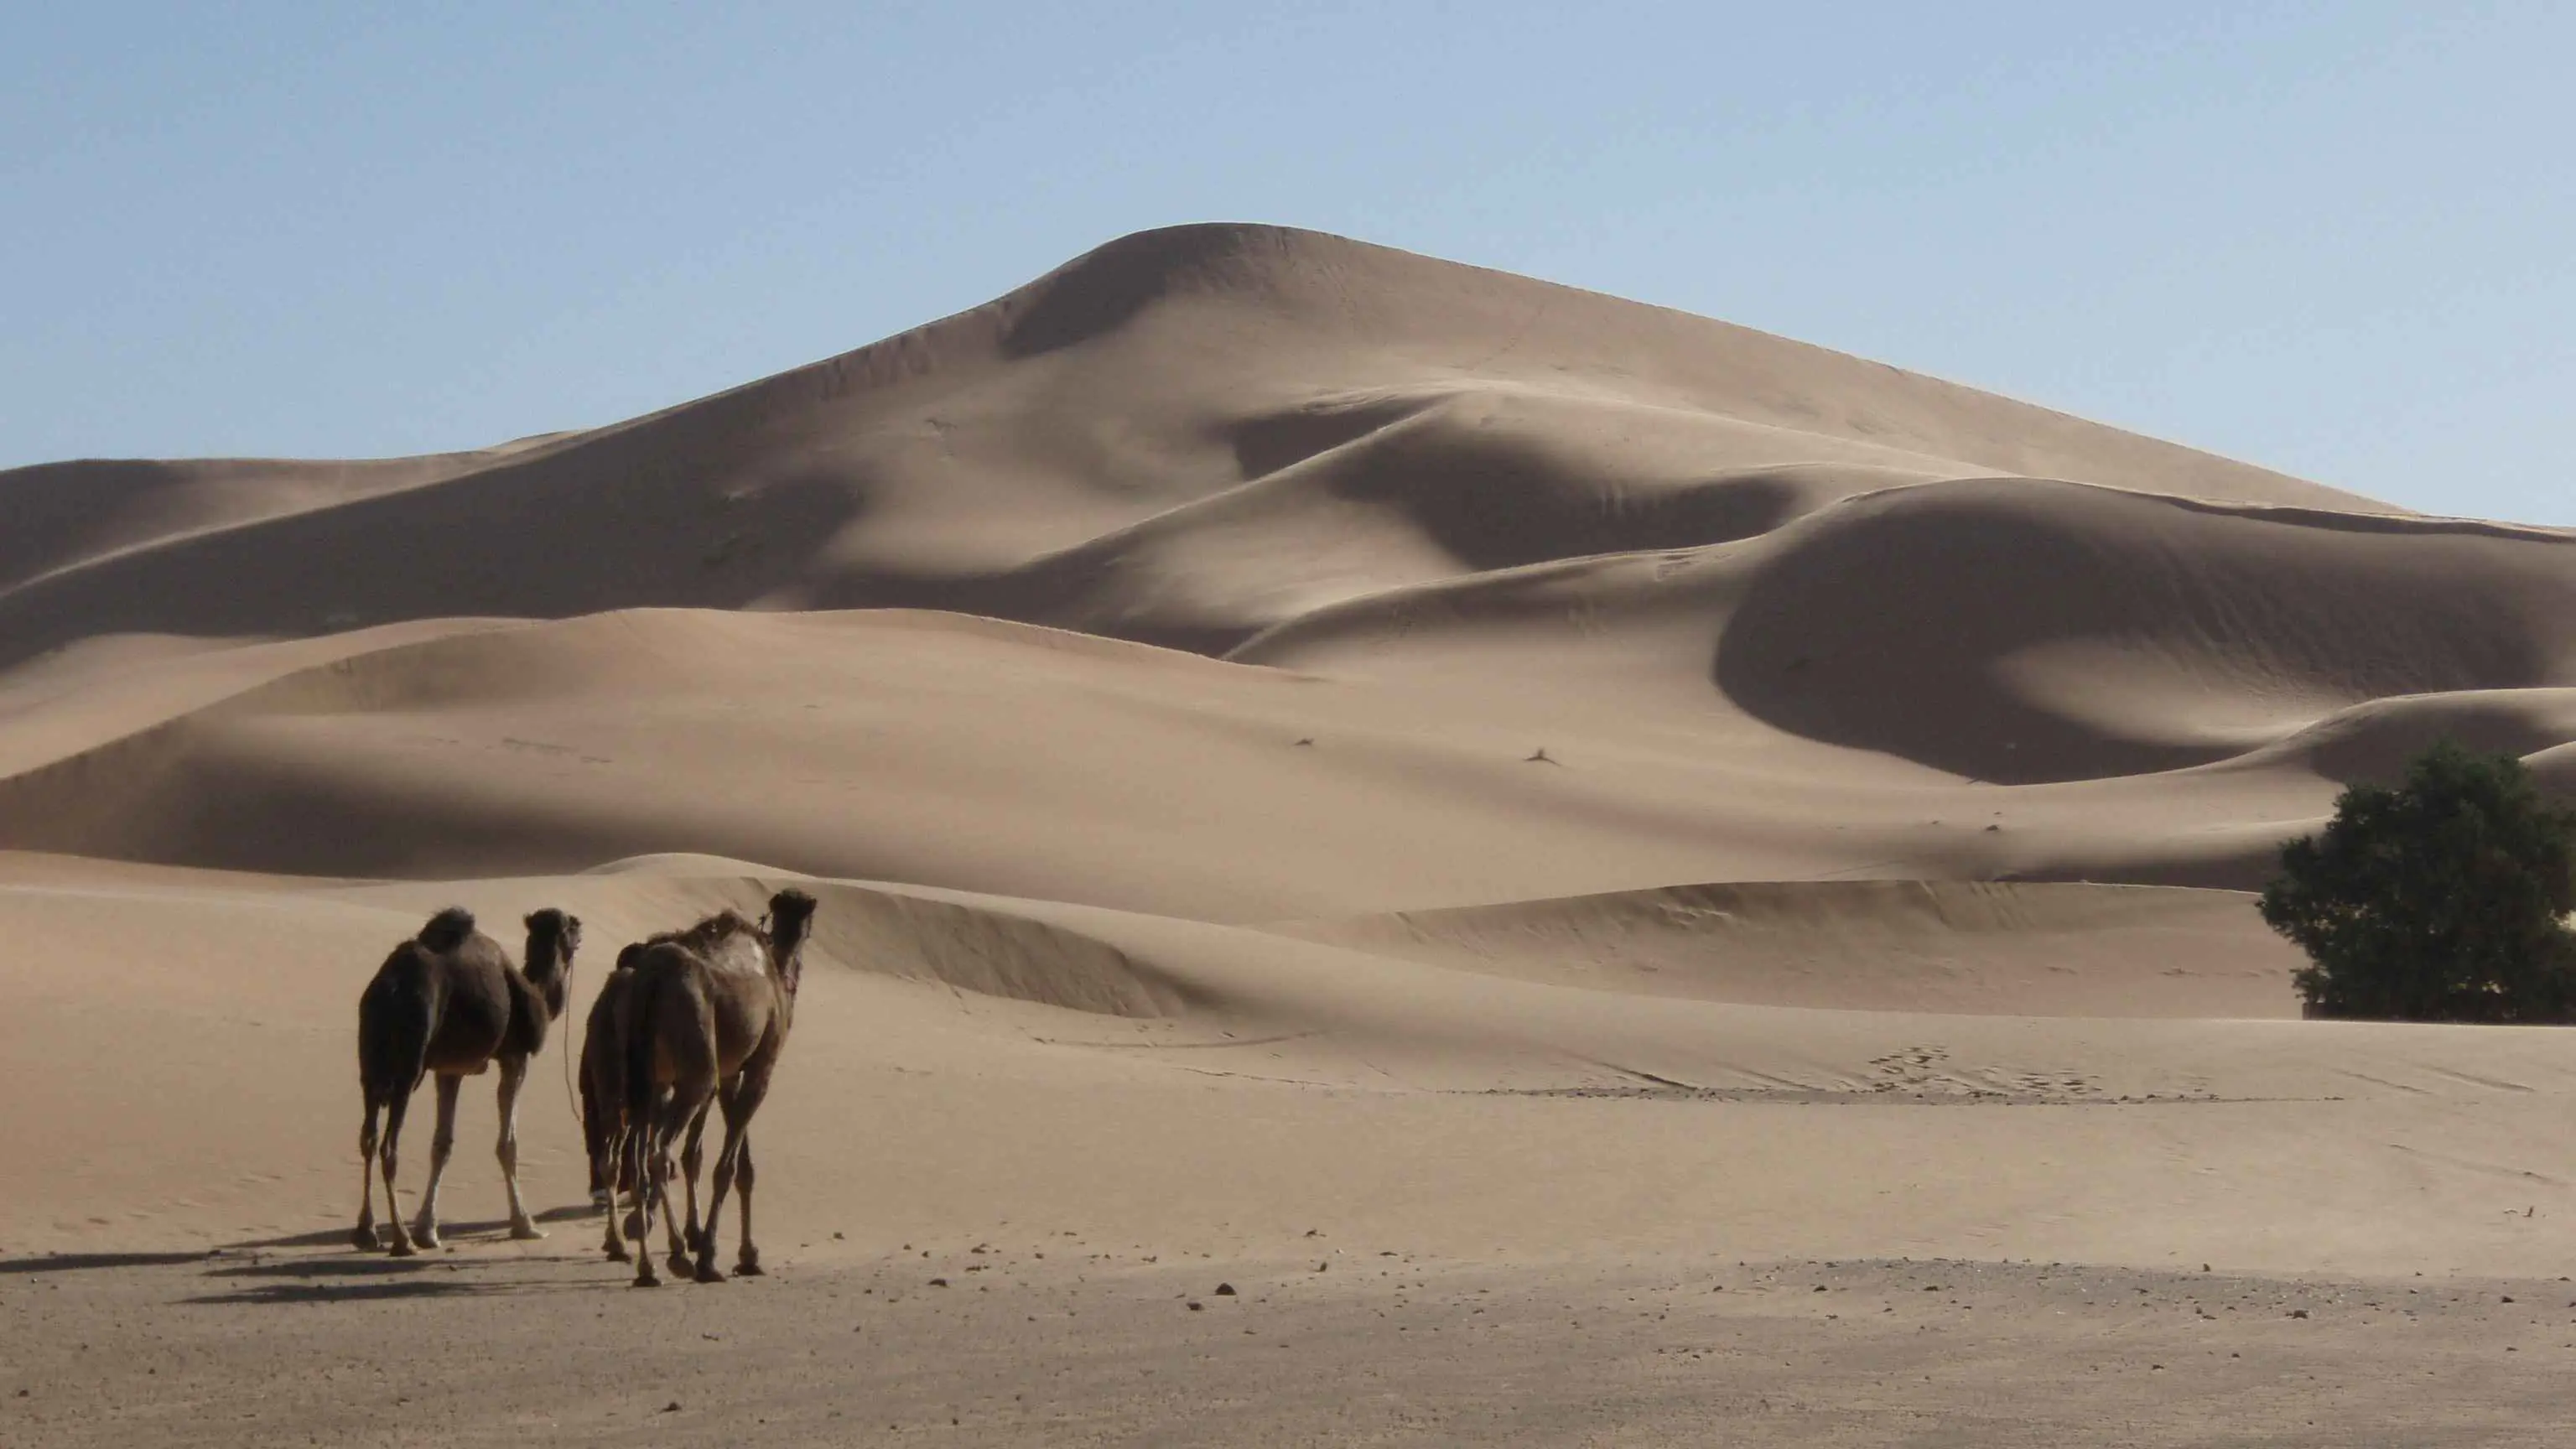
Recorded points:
553,936
791,921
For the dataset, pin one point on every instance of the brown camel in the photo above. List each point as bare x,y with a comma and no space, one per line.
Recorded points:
449,1001
603,1104
708,1014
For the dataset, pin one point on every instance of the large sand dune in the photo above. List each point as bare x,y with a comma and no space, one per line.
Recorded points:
1354,417
1291,735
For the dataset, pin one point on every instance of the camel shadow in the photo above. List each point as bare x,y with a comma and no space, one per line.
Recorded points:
364,1277
376,1287
490,1230
82,1262
334,1237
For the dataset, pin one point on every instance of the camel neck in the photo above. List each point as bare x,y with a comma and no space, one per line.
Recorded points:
545,970
786,956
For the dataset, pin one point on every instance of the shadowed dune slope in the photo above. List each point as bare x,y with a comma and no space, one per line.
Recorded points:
2019,634
2025,632
62,515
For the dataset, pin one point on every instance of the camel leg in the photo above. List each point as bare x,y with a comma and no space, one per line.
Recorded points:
399,1241
653,1178
630,1165
639,1145
693,1157
726,1158
634,1204
746,1260
441,1143
514,1074
365,1235
685,1110
615,1243
739,1102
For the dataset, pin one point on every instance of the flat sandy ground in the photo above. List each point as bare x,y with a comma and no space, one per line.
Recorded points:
986,1344
1525,833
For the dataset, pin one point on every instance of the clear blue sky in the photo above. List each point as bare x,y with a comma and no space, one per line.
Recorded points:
2336,239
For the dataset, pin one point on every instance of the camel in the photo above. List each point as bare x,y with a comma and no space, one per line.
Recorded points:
708,1013
448,1001
603,1101
603,1106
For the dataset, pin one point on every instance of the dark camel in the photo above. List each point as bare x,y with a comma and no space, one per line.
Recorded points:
708,1013
449,1001
603,1104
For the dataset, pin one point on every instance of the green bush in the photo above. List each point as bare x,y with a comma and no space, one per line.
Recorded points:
2442,900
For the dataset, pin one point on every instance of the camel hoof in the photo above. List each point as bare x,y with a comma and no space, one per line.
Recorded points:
526,1232
427,1242
401,1248
364,1239
709,1273
646,1280
681,1267
750,1268
616,1253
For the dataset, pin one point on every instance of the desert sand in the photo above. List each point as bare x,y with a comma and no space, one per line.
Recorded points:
1618,879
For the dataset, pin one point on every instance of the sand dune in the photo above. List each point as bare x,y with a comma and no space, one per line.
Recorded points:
2018,950
1026,762
64,515
2019,631
1164,370
1288,736
2373,741
2075,633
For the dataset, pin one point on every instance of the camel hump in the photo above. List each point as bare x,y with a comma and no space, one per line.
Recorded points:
448,929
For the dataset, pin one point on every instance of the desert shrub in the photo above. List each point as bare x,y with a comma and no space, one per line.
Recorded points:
2444,899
